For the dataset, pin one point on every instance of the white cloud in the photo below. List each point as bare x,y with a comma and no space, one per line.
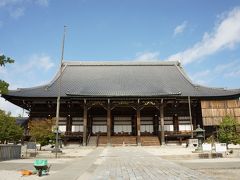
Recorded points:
9,107
235,73
147,56
224,36
180,28
16,12
4,3
11,3
25,75
35,62
41,61
16,8
2,70
42,2
207,76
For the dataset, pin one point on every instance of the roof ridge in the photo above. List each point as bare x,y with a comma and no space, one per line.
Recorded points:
185,76
218,88
121,63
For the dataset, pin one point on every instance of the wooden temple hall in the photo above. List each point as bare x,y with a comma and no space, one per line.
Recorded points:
131,103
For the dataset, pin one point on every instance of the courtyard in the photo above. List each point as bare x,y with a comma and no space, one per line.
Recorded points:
169,162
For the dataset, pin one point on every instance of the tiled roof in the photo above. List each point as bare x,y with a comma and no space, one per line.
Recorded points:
122,79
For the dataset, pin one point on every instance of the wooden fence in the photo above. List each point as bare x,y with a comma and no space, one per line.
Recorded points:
9,151
213,111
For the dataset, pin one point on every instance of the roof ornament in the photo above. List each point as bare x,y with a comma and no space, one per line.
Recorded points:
179,63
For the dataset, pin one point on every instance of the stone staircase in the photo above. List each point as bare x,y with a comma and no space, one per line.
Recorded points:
130,140
117,140
125,140
150,141
102,141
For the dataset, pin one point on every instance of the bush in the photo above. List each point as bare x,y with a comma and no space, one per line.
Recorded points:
9,130
41,130
227,132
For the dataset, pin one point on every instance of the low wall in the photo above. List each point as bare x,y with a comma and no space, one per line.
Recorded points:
9,151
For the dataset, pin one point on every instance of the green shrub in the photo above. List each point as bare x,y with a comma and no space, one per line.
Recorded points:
9,130
227,132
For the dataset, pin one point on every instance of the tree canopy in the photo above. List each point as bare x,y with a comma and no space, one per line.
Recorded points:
4,60
9,130
3,84
3,87
41,130
227,132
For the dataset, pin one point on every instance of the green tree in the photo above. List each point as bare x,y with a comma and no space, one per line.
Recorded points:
9,130
4,60
4,85
41,130
227,132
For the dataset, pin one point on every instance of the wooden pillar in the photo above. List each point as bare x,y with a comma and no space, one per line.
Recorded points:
162,122
133,126
69,124
195,114
156,124
190,115
89,123
138,125
175,123
85,123
109,129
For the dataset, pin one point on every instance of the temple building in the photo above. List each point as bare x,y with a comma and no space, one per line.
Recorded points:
131,103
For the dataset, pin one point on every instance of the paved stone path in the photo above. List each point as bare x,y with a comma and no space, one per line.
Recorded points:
124,163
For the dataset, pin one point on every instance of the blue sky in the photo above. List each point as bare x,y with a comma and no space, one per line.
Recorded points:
204,35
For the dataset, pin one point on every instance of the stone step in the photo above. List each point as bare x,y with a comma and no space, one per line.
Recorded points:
150,141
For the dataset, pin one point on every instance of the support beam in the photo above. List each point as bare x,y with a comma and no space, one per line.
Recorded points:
161,108
69,123
190,115
138,125
85,123
109,123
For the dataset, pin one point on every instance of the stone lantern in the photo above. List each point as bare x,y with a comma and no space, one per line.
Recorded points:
200,136
59,141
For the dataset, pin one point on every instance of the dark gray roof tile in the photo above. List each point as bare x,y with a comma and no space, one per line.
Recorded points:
110,79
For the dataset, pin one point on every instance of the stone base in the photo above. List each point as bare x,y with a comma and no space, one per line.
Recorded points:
56,150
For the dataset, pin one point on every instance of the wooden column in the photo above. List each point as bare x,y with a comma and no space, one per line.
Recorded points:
138,125
109,129
162,122
85,123
190,115
195,114
133,125
69,124
175,123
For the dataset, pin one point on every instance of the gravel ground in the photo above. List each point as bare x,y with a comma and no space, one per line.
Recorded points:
10,170
231,174
221,168
15,175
